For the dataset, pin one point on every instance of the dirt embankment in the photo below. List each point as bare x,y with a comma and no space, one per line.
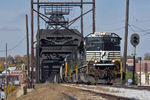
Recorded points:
55,92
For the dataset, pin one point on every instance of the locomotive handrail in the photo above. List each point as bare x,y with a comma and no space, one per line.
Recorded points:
88,63
66,65
120,65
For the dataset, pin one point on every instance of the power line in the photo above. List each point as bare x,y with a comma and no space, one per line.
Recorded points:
142,21
131,28
116,29
18,44
141,29
146,34
144,31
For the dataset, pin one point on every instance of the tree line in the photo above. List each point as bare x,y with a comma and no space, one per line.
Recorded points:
15,61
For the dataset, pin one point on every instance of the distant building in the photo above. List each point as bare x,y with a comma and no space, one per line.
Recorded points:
14,76
145,66
9,70
145,70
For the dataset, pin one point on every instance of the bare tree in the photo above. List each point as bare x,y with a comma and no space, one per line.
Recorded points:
147,56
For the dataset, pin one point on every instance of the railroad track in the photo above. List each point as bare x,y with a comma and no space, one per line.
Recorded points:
135,87
132,87
101,94
69,96
113,92
124,86
65,95
109,96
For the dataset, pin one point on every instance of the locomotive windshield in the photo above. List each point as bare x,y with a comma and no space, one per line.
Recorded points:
107,43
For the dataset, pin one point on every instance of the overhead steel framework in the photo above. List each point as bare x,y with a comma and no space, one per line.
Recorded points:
58,9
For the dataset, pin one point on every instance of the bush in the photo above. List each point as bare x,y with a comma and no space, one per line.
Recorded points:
129,75
10,88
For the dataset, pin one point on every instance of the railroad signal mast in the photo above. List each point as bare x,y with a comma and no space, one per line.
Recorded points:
52,13
135,40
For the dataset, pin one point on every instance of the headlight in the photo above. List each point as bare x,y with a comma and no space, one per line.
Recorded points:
113,61
95,61
102,33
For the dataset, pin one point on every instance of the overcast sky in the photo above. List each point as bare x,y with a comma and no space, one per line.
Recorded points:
110,17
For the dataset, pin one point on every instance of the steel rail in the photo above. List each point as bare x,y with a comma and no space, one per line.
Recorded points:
69,96
109,96
132,87
104,95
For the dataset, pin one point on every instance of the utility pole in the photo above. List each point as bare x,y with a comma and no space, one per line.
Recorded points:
32,42
27,38
38,16
126,40
82,17
6,82
93,16
37,49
